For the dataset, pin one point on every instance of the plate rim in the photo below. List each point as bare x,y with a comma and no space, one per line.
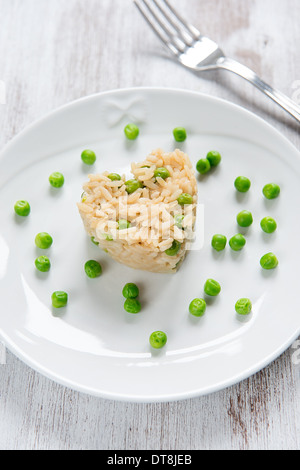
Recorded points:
92,96
121,397
50,374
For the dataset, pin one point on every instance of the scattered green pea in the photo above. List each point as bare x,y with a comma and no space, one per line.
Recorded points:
244,219
219,242
271,191
123,224
114,177
131,131
59,299
158,339
203,166
56,179
88,157
214,158
179,134
174,249
43,264
243,307
268,225
130,291
212,288
93,269
132,185
237,242
43,240
161,173
197,307
242,184
22,208
269,261
184,199
132,306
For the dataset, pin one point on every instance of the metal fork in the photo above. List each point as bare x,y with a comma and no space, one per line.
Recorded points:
200,53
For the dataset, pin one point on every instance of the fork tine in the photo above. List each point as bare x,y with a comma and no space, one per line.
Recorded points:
176,45
190,28
176,27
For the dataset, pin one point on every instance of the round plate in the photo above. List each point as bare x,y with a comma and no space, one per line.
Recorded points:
93,345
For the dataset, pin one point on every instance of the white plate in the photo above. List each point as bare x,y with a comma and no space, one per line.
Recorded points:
94,346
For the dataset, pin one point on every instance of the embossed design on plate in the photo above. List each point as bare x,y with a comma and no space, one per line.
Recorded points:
125,109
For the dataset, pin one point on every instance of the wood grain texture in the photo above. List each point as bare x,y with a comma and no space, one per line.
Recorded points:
55,51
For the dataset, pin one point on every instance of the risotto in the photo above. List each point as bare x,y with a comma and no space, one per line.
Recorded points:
148,223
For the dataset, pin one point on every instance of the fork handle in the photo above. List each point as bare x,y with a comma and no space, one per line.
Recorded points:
282,100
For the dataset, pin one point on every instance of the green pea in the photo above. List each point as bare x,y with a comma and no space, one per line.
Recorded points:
237,242
268,225
184,199
114,177
269,261
158,339
161,173
132,306
178,219
179,134
219,242
93,269
109,238
131,131
197,307
203,166
132,185
59,299
130,291
56,179
177,265
214,158
43,264
244,219
22,208
123,224
94,241
271,191
212,288
242,184
175,248
243,307
88,157
43,240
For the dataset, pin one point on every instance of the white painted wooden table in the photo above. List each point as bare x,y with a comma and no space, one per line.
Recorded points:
55,51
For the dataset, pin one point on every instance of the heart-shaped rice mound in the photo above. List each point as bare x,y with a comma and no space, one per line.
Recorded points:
147,229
